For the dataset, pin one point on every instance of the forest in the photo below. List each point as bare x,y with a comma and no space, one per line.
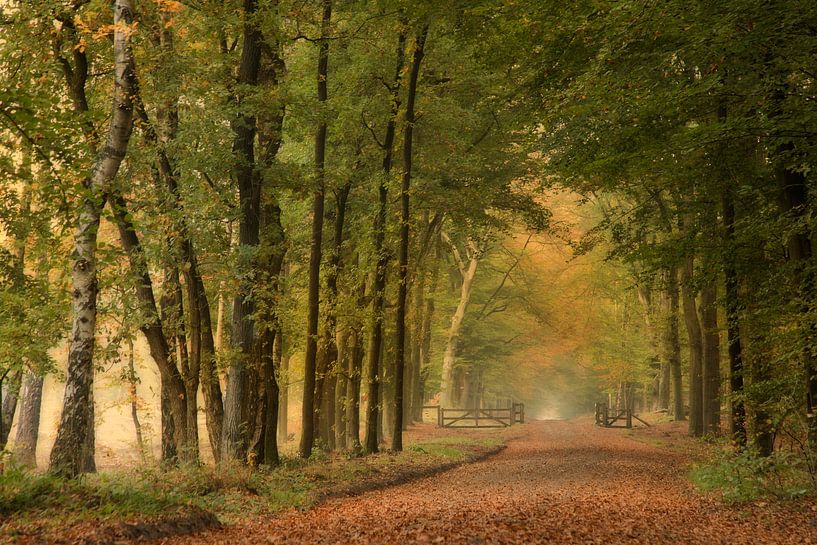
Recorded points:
243,233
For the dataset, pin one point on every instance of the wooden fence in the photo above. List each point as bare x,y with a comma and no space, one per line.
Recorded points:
479,418
608,419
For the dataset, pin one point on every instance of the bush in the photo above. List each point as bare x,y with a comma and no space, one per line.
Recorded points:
745,476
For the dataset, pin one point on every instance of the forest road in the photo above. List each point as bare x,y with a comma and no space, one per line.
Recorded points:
559,482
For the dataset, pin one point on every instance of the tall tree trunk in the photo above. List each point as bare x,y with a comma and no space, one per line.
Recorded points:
415,353
233,437
282,365
28,425
795,204
341,387
738,411
402,264
66,459
355,372
270,262
268,277
326,383
310,358
711,374
370,443
449,387
673,343
693,327
153,332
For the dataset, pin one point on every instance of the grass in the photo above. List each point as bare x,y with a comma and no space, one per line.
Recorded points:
232,492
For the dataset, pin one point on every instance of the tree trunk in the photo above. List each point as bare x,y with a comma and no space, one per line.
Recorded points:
448,385
310,363
8,403
711,374
673,343
341,388
738,408
415,353
378,289
133,380
693,327
795,204
402,264
28,424
282,365
233,435
184,438
66,459
355,372
326,383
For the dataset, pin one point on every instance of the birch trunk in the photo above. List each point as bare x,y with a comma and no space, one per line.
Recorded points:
66,456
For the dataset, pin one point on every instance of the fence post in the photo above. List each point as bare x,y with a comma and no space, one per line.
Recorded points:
439,416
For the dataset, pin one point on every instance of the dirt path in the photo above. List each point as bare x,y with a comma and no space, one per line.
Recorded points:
560,482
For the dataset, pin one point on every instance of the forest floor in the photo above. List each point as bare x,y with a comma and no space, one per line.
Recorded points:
147,502
565,482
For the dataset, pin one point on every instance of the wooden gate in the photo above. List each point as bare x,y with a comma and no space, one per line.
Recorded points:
477,418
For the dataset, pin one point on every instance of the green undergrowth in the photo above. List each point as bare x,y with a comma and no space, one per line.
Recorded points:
230,492
744,476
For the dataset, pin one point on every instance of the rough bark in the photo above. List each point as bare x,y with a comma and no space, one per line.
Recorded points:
327,369
402,261
693,327
9,396
235,423
310,358
66,458
355,372
28,424
370,442
795,204
152,329
341,388
711,368
270,261
672,343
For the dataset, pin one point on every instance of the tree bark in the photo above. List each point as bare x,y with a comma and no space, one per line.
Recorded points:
711,373
693,327
402,264
370,443
449,386
66,458
8,402
28,424
310,358
233,434
732,297
795,203
282,365
355,372
672,343
187,449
